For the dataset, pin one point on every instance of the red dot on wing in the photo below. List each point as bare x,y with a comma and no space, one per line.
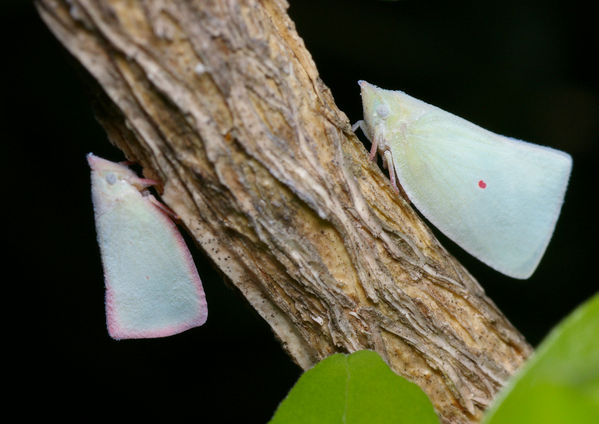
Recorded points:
482,184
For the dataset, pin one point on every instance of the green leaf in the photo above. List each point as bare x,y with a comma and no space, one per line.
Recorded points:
354,389
560,382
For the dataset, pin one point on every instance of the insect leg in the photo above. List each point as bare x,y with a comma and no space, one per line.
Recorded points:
374,147
146,182
359,124
388,159
163,208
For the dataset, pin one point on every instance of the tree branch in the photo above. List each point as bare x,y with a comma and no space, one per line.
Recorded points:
221,102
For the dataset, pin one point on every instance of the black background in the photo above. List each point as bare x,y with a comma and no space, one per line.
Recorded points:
515,68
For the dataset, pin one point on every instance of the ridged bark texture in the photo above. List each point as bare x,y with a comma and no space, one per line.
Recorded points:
221,101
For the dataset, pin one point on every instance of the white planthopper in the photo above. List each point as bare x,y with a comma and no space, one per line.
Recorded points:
497,197
152,286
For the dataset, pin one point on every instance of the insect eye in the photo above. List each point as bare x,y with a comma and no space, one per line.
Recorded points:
110,178
382,111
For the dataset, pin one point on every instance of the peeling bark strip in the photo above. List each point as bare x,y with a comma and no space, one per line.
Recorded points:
221,101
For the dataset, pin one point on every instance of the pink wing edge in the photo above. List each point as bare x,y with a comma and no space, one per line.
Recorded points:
114,329
118,333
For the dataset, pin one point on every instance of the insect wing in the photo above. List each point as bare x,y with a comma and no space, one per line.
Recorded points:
152,286
496,197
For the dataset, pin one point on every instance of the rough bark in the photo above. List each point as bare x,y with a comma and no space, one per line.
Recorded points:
221,102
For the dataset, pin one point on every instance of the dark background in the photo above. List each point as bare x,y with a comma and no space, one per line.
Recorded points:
515,68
